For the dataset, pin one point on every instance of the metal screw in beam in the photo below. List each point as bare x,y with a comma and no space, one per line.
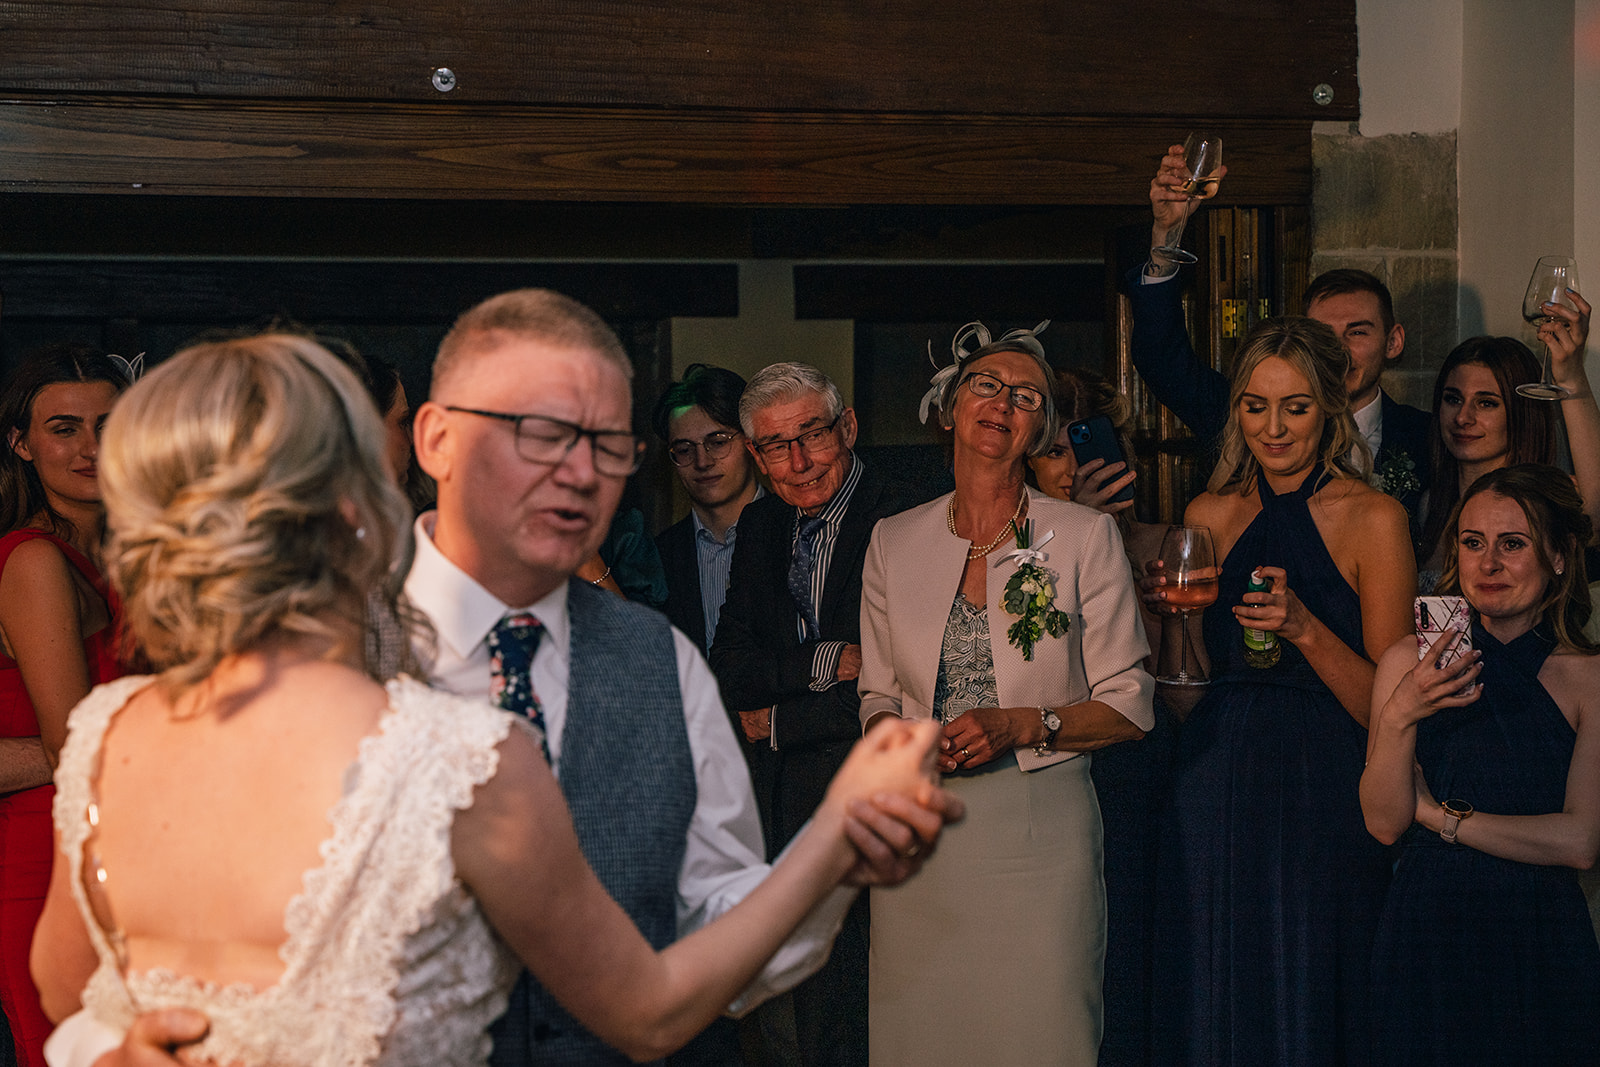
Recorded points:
444,79
1322,95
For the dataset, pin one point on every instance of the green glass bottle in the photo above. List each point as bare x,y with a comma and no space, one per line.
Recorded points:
1261,647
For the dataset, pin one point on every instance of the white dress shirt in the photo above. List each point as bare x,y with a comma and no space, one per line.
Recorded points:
722,858
1369,423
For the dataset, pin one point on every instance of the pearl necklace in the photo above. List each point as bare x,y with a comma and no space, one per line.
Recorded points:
1005,531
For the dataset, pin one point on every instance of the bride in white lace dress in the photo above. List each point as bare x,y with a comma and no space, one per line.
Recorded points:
337,872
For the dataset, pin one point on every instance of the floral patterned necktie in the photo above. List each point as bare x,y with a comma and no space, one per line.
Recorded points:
512,643
800,572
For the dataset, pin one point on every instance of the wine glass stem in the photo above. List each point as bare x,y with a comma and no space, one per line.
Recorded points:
1183,662
1175,235
1548,377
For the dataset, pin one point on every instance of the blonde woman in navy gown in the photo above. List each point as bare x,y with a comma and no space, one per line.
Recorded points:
1274,886
999,951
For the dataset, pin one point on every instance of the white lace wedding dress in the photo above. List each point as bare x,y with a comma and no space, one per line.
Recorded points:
388,958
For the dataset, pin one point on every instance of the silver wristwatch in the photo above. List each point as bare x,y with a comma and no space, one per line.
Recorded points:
1052,723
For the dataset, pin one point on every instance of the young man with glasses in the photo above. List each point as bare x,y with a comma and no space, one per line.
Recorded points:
698,418
788,646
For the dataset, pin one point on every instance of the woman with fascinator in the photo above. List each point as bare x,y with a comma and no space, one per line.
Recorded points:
1012,619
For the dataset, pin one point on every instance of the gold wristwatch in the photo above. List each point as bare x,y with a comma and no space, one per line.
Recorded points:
1454,812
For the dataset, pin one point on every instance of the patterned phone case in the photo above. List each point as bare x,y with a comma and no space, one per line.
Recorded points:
1437,614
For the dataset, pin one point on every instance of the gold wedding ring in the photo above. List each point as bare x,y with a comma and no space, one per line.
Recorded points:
964,753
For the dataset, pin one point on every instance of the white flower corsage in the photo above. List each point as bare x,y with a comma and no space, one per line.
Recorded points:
1031,592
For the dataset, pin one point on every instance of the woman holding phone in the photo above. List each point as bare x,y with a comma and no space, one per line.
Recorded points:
1486,770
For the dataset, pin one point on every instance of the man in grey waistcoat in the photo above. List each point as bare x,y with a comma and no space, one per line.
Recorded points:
528,433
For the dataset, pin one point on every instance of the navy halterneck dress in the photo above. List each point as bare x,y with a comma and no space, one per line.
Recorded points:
1274,884
1483,960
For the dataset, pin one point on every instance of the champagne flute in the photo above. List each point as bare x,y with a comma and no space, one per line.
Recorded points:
1190,567
1202,158
1552,277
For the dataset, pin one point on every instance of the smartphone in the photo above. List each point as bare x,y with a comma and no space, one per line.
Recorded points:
1096,438
1437,614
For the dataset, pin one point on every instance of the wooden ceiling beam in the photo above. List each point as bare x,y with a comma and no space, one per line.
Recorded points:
162,146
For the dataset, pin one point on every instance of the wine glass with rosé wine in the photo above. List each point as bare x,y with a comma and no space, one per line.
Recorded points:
1189,565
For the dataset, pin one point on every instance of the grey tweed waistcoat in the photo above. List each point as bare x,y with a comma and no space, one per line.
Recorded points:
628,777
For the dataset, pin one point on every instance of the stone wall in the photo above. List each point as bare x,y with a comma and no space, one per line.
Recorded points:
1389,205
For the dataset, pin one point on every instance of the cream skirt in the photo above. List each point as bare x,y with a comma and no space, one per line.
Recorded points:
994,952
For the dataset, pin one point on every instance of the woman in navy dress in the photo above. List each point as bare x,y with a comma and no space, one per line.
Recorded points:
1265,939
1487,771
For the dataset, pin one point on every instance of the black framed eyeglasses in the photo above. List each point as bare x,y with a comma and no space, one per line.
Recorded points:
1023,397
715,445
820,442
542,439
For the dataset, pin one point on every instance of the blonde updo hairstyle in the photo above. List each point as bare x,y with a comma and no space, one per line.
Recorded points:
1312,349
247,498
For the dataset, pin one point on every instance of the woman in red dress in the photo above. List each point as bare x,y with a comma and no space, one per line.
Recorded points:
57,630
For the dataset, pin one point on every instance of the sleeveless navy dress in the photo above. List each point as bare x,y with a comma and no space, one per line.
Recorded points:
1479,959
1272,884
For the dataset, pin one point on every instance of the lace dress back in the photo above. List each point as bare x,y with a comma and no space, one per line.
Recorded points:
388,959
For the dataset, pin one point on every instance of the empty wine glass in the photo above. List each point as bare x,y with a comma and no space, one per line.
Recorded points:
1202,158
1552,277
1189,564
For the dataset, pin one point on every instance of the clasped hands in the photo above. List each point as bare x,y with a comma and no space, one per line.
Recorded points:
979,735
894,810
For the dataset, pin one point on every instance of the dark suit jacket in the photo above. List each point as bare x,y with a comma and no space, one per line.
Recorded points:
1166,360
760,661
1408,431
683,608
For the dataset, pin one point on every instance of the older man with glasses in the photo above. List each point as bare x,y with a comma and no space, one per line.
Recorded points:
788,646
528,434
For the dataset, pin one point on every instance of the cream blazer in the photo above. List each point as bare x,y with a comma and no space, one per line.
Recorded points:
913,571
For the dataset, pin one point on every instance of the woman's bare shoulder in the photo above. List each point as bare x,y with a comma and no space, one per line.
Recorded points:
1363,518
34,555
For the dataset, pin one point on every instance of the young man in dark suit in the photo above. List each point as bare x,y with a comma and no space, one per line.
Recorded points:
788,646
698,419
1355,304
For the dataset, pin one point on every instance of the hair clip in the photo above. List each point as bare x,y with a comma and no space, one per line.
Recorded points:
133,368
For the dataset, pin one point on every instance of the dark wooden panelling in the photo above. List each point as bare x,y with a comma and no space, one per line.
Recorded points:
150,146
1062,292
218,293
1027,57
